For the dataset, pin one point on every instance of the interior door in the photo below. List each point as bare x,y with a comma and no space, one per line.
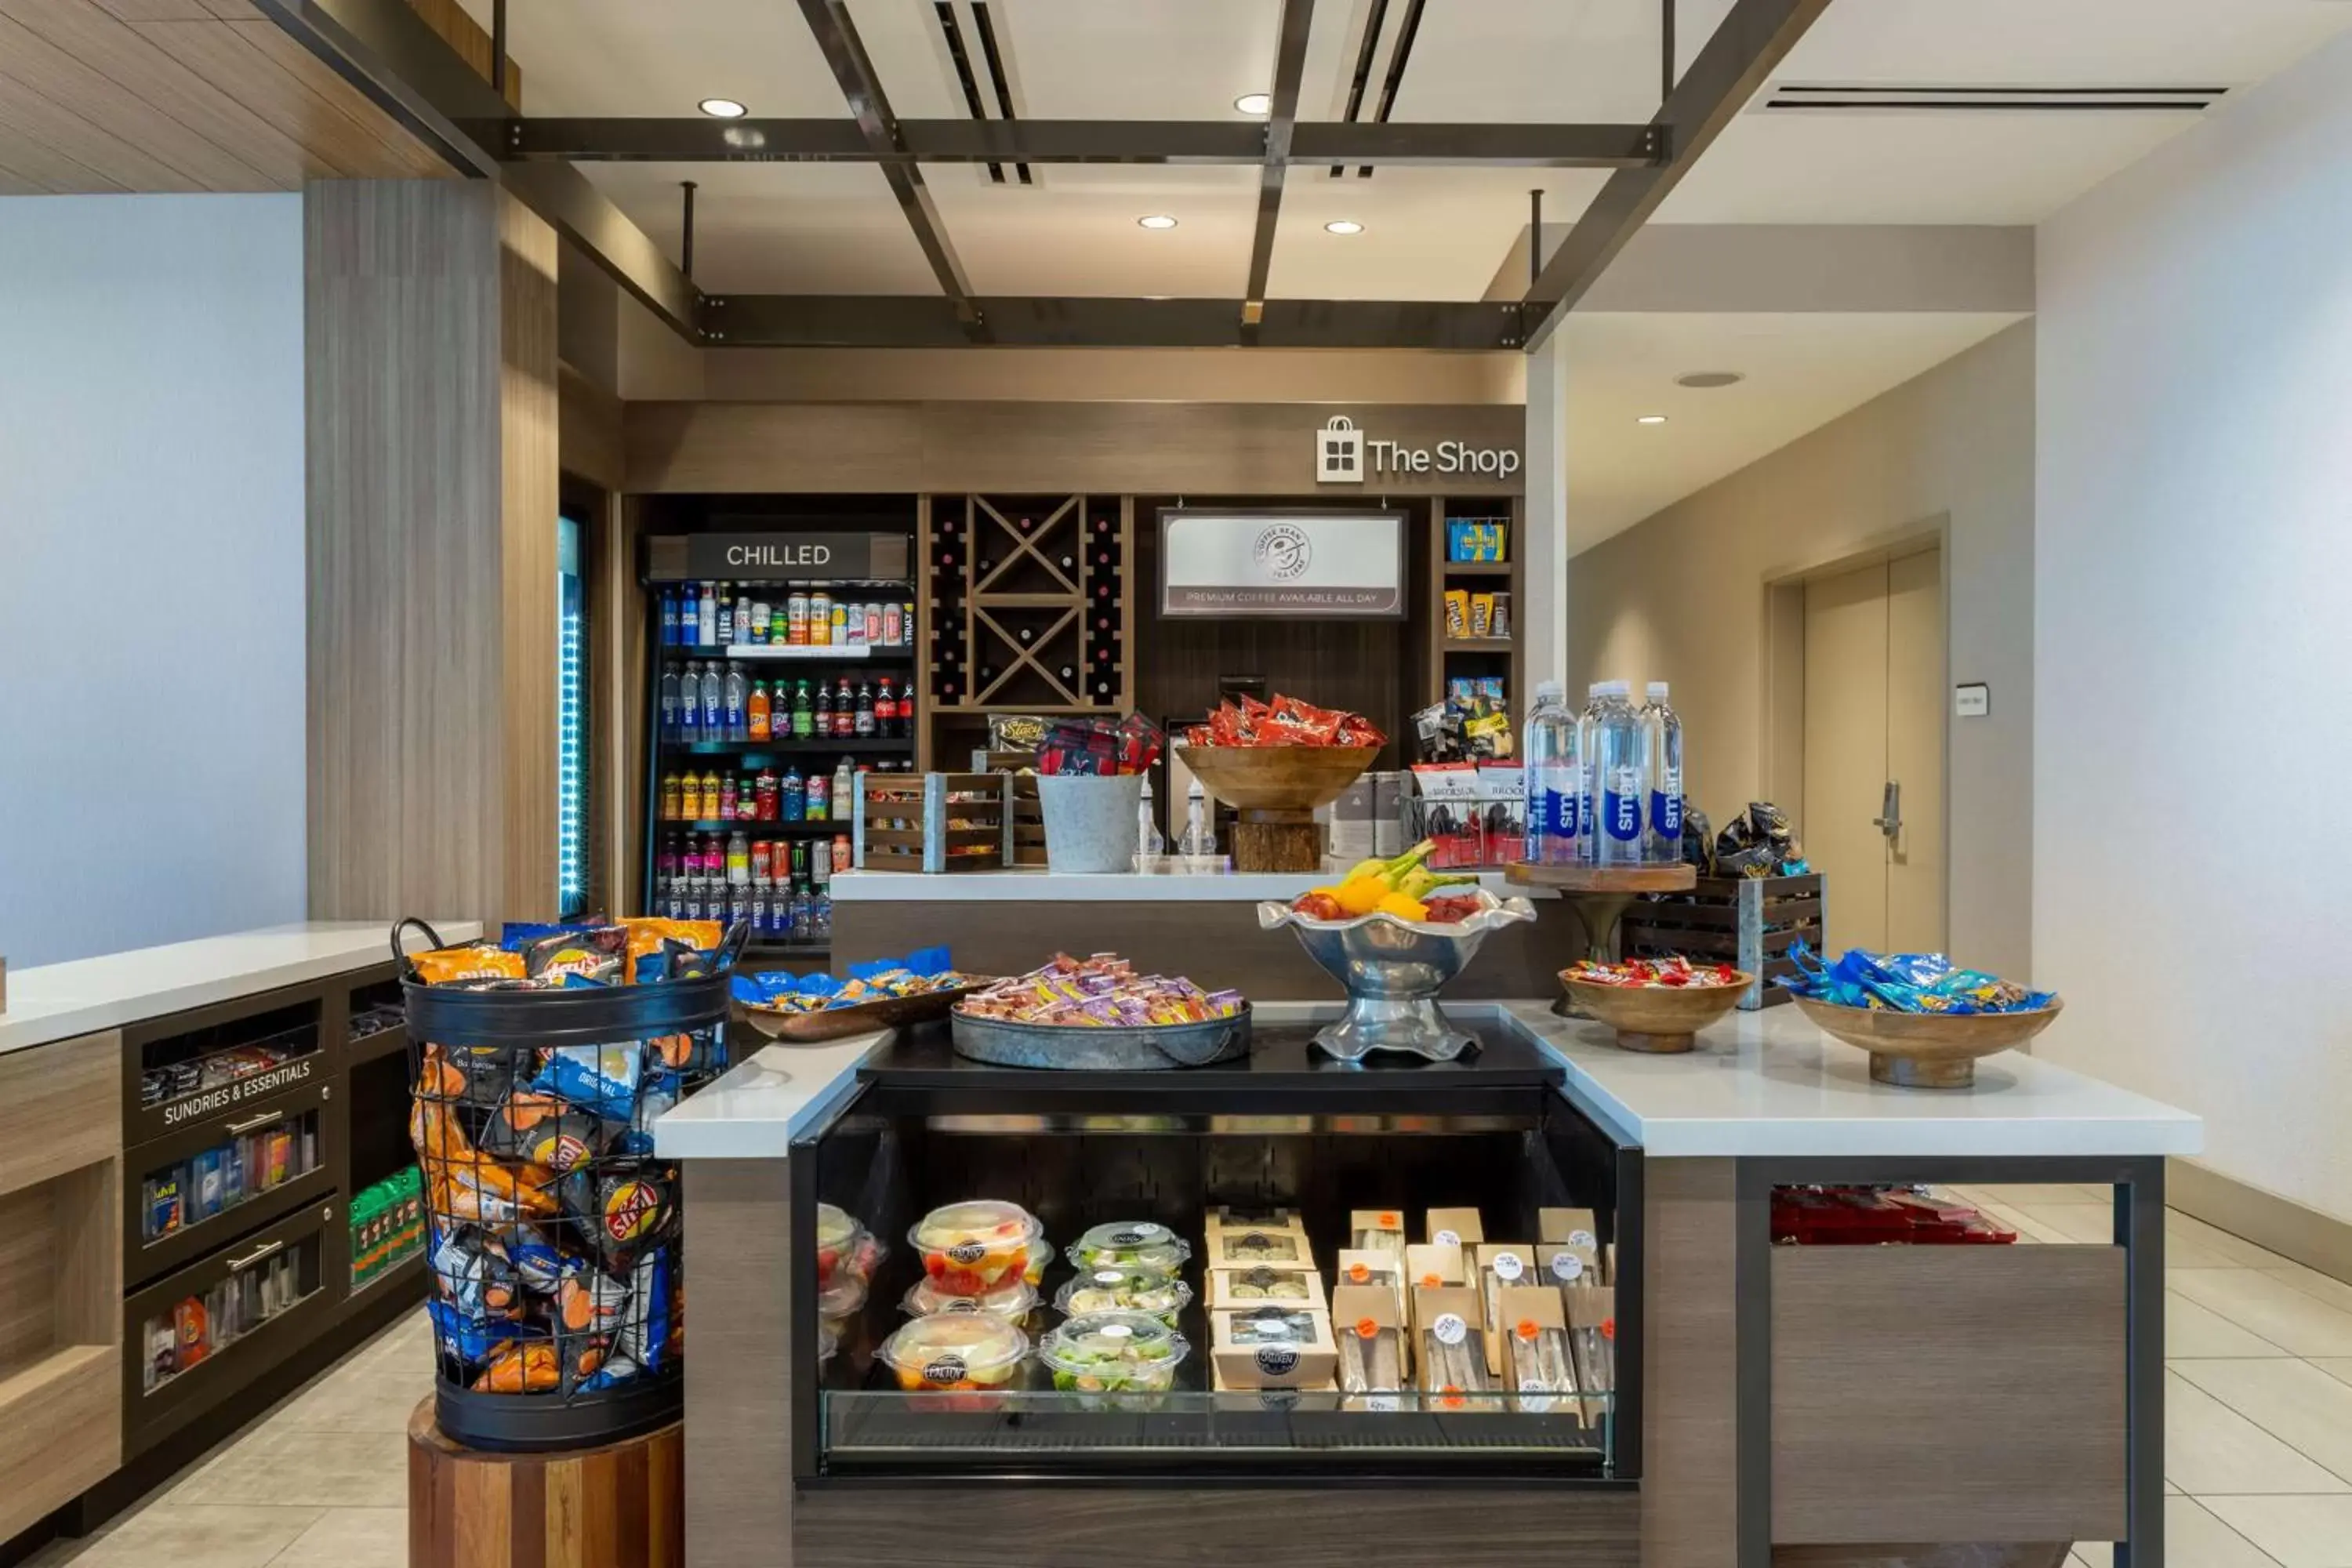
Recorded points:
1873,817
1915,750
1846,751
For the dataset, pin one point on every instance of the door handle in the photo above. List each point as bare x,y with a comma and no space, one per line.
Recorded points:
1889,819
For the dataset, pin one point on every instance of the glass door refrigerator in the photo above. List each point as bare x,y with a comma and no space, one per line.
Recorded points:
783,666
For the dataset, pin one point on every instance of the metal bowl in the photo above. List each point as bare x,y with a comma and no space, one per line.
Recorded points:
1392,970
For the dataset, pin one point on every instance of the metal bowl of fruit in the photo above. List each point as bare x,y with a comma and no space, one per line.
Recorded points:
1393,932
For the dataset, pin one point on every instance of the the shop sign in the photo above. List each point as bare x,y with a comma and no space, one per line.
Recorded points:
1347,456
1280,563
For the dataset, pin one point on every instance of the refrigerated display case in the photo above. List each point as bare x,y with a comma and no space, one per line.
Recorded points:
1281,1128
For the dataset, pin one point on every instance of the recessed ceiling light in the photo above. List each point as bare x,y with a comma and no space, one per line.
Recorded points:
1254,103
1157,220
1343,226
1708,380
723,109
1651,419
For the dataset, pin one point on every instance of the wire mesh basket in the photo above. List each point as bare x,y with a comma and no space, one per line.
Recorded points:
554,1233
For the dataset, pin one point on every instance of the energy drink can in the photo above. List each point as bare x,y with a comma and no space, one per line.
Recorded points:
873,623
796,619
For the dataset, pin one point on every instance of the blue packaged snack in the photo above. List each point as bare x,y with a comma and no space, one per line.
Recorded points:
643,1337
516,935
601,1080
1907,983
471,1343
536,1262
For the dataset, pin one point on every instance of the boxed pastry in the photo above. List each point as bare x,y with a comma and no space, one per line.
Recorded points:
1537,1364
1284,1397
1259,1248
1568,1224
1375,1363
1272,1347
1375,1267
1376,1230
1429,1264
1459,1227
1498,1266
1447,1355
1293,1285
1242,1216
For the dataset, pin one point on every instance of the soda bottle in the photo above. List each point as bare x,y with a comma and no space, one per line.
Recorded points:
766,790
671,798
862,717
1662,750
845,710
756,712
1553,781
792,795
669,618
714,701
666,867
669,711
822,721
803,714
885,706
747,798
819,788
726,811
738,694
760,863
688,725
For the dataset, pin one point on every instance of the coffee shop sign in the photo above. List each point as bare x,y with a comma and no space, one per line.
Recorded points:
1346,455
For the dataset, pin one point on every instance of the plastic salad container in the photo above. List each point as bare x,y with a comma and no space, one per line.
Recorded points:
970,1248
1015,1302
1131,1244
842,1298
844,1246
955,1350
1124,1289
1113,1352
828,1340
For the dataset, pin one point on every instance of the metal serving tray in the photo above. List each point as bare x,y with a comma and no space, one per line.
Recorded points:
1083,1048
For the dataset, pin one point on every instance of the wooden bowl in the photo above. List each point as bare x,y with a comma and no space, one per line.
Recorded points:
1277,778
1926,1051
1662,1020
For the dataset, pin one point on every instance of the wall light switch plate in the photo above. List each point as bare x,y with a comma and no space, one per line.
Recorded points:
1973,701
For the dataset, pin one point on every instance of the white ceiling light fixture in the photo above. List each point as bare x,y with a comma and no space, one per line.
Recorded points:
723,109
1254,103
1343,226
1156,220
1650,419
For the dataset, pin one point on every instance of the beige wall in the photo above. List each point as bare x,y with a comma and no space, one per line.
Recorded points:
1682,598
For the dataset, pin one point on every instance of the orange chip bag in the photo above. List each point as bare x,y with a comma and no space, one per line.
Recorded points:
520,1368
649,953
474,961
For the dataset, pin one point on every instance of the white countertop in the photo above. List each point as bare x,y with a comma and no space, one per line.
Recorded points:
1760,1084
1169,885
756,1106
1770,1083
59,1001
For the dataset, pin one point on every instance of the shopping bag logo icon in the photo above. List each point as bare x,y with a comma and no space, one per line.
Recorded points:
1339,453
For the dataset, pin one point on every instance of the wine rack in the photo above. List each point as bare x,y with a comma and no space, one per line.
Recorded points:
1029,603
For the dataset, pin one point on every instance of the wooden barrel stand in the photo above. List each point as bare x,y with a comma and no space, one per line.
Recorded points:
620,1505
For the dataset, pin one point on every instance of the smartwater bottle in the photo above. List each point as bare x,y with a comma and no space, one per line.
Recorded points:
669,712
689,704
1553,781
1662,750
1621,776
1587,787
714,701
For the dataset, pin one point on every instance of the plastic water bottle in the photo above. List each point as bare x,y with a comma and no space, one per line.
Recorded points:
1198,843
736,695
1553,779
714,701
670,716
689,704
1586,822
1148,843
707,624
1662,749
1620,777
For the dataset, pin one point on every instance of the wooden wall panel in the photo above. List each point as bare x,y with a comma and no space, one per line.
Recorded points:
1979,1389
1689,1352
61,1107
738,1457
432,483
1105,448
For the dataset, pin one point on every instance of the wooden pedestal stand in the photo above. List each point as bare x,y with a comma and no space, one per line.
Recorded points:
1272,838
620,1505
1275,790
1598,896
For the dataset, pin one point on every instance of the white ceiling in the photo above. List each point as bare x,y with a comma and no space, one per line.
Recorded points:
1802,372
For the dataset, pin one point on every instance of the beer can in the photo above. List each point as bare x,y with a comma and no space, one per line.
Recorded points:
853,625
873,622
796,618
820,617
894,626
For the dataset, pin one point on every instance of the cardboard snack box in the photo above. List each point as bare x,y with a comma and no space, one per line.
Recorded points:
1568,1224
1379,1269
1459,1227
1375,1347
1564,1263
1263,1347
1496,1266
1538,1361
1432,1263
1236,1216
1293,1285
1257,1247
1376,1230
1448,1354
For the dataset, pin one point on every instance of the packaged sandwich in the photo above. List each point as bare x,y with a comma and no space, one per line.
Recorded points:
1449,1357
1255,1249
1457,1228
1500,1265
1370,1333
1537,1364
1567,1262
1276,1284
1272,1347
1378,1268
1568,1224
1592,1337
1377,1230
1429,1264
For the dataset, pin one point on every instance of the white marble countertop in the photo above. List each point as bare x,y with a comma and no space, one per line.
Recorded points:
59,1001
756,1106
1770,1083
1762,1084
1168,884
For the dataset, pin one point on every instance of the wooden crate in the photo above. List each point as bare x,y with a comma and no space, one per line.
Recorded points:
1028,812
932,822
1750,922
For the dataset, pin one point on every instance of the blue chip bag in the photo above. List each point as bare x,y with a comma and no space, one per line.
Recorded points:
464,1339
599,1079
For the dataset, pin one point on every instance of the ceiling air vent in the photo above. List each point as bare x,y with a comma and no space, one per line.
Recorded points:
1820,98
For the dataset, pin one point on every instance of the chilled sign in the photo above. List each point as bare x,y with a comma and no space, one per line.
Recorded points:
756,555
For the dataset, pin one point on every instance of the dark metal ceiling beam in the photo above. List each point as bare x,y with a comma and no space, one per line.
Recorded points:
895,321
844,52
703,140
383,49
1281,121
1751,42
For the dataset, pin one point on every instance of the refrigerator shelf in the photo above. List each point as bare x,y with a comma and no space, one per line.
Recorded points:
780,748
795,653
820,828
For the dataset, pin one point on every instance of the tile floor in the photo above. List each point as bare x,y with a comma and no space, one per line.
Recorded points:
2258,1448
